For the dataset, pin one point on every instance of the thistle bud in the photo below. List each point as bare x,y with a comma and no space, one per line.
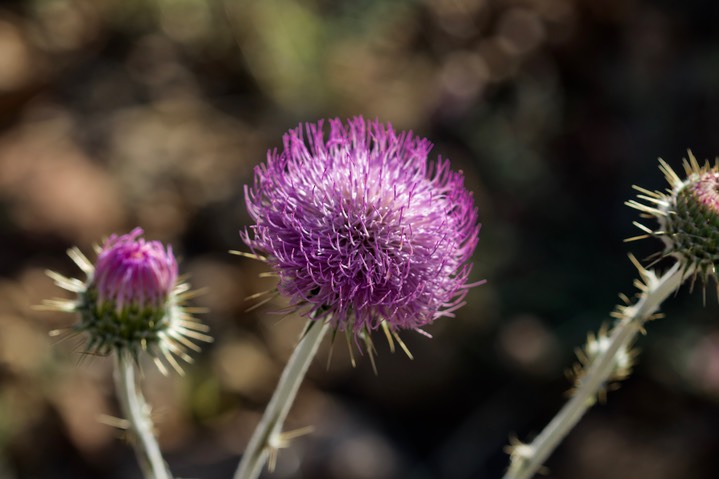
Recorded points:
692,222
132,301
688,216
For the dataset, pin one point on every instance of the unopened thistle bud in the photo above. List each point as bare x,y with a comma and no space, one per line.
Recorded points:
688,216
132,301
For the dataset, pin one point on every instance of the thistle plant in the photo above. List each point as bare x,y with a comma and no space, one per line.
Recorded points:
363,233
687,214
130,304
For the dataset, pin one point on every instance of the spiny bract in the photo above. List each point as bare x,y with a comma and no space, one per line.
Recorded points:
688,216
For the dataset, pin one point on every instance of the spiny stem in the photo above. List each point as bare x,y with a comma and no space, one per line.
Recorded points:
526,460
136,412
267,433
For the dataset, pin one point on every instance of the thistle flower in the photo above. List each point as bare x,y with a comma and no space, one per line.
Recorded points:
132,301
363,230
688,216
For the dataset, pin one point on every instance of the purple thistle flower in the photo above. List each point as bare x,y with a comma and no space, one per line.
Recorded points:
134,271
132,301
361,228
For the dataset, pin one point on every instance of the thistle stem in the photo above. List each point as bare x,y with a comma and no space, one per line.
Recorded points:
526,460
137,413
267,434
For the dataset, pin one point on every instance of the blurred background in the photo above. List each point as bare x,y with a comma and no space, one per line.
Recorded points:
117,113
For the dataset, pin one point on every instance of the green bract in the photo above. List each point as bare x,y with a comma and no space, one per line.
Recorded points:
688,216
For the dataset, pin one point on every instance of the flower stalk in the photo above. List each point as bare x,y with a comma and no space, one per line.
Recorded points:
364,232
267,437
527,459
137,413
132,303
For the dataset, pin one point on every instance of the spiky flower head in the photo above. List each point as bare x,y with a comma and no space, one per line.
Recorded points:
132,301
688,216
361,228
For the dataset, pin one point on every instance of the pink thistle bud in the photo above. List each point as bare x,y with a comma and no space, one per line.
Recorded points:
132,301
134,271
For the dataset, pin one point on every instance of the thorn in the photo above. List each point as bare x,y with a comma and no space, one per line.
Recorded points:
261,303
196,310
402,345
269,274
161,367
388,335
113,421
653,194
332,347
173,362
643,228
81,260
248,255
185,293
669,173
636,238
349,347
371,351
282,441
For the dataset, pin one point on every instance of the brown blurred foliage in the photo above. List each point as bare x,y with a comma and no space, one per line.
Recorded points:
154,112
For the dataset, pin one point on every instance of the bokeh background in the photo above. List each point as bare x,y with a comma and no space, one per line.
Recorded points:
117,113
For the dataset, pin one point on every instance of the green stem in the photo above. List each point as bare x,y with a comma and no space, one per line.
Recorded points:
267,433
529,459
137,414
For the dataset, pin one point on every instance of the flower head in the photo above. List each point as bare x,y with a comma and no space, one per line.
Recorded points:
130,270
361,228
132,300
688,216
